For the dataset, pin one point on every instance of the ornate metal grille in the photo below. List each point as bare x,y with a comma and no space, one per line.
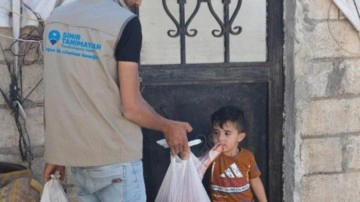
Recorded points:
226,24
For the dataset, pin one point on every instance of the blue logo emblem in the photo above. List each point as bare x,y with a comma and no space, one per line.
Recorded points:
54,36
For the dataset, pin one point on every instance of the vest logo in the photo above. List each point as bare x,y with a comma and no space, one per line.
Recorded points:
54,36
72,44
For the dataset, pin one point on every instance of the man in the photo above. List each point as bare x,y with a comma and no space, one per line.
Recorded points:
93,105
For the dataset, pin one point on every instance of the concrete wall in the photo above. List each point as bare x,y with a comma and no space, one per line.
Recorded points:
322,141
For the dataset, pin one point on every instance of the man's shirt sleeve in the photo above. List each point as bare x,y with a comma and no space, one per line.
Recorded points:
129,45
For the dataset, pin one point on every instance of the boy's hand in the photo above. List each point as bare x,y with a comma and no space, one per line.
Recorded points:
208,158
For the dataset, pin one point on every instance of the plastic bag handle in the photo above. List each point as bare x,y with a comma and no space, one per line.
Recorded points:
163,143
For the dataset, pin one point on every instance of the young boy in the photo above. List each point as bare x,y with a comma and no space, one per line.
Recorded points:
234,173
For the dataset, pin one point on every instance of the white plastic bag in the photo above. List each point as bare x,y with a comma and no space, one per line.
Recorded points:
53,191
182,182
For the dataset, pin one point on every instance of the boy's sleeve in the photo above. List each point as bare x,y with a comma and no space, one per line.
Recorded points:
254,170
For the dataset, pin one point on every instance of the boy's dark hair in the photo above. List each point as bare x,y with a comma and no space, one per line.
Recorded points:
229,113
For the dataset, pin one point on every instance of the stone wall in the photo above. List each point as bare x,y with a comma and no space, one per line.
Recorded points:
322,96
33,104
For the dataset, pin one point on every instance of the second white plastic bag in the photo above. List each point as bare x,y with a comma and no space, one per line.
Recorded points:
53,191
182,182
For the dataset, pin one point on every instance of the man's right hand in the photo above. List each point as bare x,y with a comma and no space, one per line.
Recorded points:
51,169
176,136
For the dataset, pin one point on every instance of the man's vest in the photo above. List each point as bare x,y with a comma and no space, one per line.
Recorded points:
84,125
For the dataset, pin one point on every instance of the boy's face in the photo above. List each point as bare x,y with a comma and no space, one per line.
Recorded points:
228,136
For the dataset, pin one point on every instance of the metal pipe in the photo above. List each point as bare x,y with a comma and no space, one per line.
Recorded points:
16,33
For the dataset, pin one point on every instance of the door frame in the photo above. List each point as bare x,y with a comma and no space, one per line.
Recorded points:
270,71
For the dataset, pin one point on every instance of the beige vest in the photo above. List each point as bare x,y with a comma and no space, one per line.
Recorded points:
84,123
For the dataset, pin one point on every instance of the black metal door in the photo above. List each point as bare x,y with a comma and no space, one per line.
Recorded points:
191,92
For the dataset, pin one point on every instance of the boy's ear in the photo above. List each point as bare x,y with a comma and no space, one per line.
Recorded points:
241,136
